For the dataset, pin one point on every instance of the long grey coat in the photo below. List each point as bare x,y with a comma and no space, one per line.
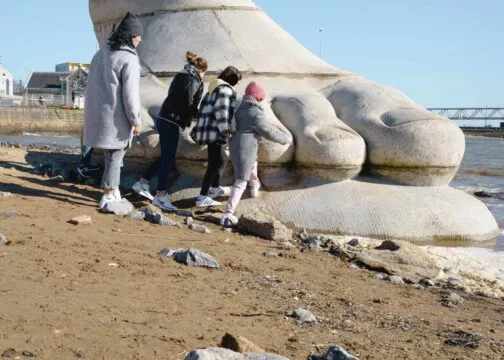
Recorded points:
251,124
112,105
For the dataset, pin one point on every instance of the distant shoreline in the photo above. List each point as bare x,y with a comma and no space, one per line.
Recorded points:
495,133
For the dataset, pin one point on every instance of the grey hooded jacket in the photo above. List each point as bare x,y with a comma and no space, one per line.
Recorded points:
112,105
251,124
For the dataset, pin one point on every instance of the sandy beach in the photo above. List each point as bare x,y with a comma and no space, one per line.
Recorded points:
101,291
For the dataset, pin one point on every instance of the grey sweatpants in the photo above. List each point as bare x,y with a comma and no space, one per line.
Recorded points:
113,164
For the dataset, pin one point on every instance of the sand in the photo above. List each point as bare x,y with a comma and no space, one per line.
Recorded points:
62,299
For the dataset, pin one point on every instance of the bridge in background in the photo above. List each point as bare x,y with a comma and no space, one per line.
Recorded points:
471,114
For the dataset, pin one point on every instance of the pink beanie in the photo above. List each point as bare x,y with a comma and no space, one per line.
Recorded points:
255,90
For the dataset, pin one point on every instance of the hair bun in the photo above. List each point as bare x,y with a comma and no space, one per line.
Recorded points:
191,57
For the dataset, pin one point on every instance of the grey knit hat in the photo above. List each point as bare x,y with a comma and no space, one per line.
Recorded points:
130,26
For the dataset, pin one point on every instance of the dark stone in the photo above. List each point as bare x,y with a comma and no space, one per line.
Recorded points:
463,338
156,217
334,353
483,194
9,353
427,282
354,242
184,213
28,354
312,243
191,257
388,245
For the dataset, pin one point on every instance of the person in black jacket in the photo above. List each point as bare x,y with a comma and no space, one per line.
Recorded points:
178,110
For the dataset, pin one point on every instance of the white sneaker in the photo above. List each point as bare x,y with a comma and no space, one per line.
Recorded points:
117,195
219,191
228,220
143,190
254,192
107,199
206,201
164,203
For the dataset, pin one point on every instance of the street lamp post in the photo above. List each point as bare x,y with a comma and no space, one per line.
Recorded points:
320,43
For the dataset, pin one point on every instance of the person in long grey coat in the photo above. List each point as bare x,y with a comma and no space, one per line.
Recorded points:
112,110
251,125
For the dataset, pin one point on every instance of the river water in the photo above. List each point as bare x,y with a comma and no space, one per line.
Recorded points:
482,168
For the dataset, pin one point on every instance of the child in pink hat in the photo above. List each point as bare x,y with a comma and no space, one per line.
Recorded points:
251,124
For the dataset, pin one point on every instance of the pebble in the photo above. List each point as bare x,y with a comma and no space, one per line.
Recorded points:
81,220
454,282
5,194
199,228
303,316
417,286
116,265
427,282
189,221
452,300
354,267
396,280
137,215
9,353
381,276
270,254
9,214
166,221
28,354
4,240
285,245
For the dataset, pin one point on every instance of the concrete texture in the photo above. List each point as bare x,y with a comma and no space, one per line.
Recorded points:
339,120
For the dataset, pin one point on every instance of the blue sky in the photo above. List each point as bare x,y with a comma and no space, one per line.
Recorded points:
439,52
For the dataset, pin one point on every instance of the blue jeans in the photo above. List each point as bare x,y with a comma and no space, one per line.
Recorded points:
169,135
113,164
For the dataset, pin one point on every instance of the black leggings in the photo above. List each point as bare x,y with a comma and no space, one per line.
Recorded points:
216,163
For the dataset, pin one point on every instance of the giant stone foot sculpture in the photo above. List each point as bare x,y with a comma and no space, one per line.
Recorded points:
339,122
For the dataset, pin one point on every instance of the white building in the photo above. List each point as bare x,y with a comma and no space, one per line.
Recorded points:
6,82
